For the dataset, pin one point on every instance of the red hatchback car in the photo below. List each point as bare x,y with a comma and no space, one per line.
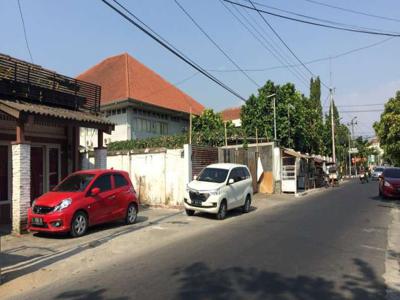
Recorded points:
389,183
83,199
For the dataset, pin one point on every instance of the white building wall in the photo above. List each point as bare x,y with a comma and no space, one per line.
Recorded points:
136,124
160,179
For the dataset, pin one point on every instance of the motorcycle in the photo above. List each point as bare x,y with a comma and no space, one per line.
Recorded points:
363,178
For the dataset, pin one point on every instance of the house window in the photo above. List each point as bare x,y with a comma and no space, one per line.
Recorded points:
164,128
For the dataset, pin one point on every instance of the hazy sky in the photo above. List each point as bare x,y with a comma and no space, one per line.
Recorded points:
71,36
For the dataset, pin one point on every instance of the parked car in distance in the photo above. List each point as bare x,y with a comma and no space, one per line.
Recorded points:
219,188
377,172
83,199
389,183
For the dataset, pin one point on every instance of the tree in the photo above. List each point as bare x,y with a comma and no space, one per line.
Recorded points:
209,129
258,114
314,119
388,130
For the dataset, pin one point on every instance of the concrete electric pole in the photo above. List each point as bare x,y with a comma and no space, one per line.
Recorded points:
333,127
352,123
274,118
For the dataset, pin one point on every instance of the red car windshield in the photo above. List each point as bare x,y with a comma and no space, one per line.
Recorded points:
392,173
74,183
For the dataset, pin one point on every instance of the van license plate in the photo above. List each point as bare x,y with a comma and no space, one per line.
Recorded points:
37,221
197,202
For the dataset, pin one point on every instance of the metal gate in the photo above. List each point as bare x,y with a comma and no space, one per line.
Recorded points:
249,157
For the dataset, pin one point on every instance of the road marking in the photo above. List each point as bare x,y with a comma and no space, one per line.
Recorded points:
158,227
369,230
373,248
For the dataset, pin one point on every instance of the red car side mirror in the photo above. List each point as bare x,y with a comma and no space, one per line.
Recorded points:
95,191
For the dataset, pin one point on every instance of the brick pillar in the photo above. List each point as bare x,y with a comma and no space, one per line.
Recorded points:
21,185
100,158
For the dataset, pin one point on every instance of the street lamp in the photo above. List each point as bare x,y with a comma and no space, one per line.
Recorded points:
269,96
290,106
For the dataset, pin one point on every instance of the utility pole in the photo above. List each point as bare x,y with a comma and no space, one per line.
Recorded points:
226,137
333,127
288,116
352,123
257,139
190,127
349,157
275,118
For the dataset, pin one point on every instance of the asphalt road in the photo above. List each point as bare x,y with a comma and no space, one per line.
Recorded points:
330,245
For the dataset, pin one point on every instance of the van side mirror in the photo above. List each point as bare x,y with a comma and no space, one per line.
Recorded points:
195,177
95,191
231,181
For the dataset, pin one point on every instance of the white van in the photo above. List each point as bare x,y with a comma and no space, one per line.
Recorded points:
219,188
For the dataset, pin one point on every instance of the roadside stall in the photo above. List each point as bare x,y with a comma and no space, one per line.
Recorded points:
319,174
294,171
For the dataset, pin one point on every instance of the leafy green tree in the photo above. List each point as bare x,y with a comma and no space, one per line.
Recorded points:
388,130
258,113
209,129
314,120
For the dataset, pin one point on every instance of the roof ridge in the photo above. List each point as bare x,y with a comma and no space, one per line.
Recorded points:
99,63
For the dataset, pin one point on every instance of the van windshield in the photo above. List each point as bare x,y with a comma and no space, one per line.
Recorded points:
213,175
74,183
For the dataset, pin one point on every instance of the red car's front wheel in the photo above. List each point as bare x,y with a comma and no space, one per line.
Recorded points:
79,224
131,214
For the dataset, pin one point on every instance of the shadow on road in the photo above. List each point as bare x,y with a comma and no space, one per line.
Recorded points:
199,281
387,203
14,266
96,293
91,230
237,212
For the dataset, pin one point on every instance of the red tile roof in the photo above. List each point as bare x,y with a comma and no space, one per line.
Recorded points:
122,77
230,114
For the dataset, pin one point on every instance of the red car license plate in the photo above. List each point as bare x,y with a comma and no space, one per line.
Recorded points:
37,221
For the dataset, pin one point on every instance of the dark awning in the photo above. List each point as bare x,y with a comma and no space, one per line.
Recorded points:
22,110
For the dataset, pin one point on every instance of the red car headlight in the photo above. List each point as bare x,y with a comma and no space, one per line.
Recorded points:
387,184
63,204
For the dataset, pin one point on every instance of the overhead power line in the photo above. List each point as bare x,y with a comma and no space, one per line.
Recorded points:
361,105
360,111
25,35
215,44
275,46
307,62
353,11
318,19
315,23
263,42
284,43
171,49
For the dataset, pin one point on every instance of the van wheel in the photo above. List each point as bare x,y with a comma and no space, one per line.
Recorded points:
247,204
189,212
222,211
131,214
79,224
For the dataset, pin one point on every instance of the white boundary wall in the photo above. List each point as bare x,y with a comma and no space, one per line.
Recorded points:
160,178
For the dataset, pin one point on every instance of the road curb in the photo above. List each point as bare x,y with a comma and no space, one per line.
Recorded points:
392,276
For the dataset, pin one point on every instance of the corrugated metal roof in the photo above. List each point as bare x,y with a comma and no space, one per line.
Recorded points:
50,111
